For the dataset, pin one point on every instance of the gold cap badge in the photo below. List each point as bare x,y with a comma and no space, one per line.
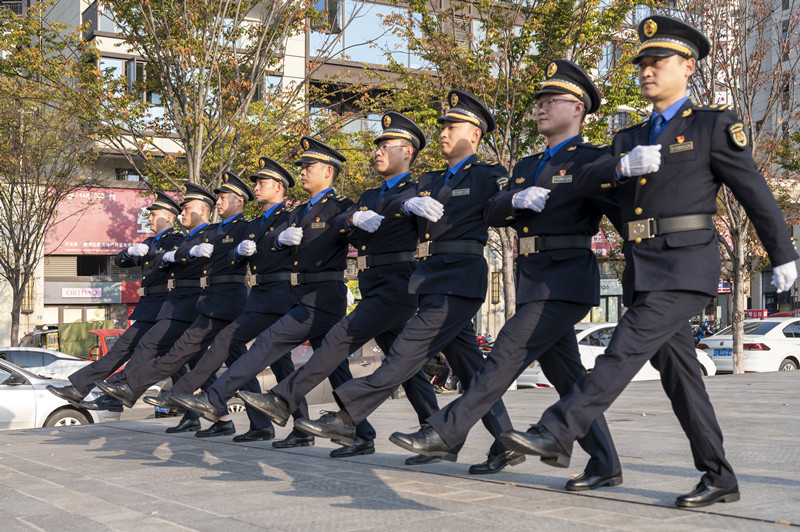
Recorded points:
552,68
305,144
225,178
453,100
650,28
387,120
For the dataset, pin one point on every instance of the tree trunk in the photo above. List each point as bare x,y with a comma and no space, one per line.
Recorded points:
507,241
16,306
739,267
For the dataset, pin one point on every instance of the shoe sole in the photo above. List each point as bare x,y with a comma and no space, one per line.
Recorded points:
153,401
344,441
206,415
521,446
356,453
108,391
304,444
611,482
248,440
280,421
442,455
730,497
432,460
199,434
192,429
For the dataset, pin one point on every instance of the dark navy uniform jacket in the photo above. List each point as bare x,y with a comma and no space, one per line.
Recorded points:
563,274
222,301
464,198
181,302
152,276
395,234
321,250
702,148
273,297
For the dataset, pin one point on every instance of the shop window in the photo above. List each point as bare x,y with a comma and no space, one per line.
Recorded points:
92,265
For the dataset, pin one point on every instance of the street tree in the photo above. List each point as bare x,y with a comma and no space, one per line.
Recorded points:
46,86
752,68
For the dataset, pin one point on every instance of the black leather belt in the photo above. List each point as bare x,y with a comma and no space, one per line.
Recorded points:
221,279
535,244
470,247
183,283
150,290
264,278
370,261
638,230
303,278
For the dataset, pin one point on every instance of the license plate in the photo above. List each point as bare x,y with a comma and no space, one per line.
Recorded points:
162,410
721,353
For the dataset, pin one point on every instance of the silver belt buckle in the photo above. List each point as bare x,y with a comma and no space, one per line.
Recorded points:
361,262
294,279
204,281
528,245
640,229
424,249
170,284
142,291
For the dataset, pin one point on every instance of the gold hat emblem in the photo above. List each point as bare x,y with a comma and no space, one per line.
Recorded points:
387,120
225,178
552,68
453,100
305,144
262,163
650,28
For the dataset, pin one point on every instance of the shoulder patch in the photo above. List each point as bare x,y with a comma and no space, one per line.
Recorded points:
633,126
737,134
501,182
714,107
593,145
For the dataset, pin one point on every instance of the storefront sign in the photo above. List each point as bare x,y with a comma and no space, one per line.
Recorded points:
82,293
76,293
755,314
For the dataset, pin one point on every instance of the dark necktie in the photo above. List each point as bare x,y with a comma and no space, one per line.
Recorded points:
542,163
384,188
656,127
447,175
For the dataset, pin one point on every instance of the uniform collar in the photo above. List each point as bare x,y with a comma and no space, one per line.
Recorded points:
396,179
319,196
196,229
269,211
557,147
454,170
230,218
670,112
162,233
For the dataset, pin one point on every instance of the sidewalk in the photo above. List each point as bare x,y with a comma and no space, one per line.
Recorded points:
132,476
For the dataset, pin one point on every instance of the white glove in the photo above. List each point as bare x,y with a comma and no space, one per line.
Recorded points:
139,250
351,299
246,248
783,276
169,256
425,206
641,160
532,198
202,250
369,221
291,236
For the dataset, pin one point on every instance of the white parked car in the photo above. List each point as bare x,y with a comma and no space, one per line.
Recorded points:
770,344
44,362
25,402
592,341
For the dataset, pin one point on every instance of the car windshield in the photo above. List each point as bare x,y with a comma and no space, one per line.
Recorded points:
757,328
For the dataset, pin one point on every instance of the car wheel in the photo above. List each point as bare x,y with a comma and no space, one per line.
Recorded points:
235,406
703,370
66,418
788,365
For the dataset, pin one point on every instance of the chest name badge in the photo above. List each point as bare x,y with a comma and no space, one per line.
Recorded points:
562,177
227,240
461,192
318,225
681,146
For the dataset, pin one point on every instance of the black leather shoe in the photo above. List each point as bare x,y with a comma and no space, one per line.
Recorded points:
265,434
703,495
68,393
425,441
118,390
537,440
336,426
197,403
421,459
294,440
269,403
104,402
585,481
360,446
497,462
163,400
186,425
220,428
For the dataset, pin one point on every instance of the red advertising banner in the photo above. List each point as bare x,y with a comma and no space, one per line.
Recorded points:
99,221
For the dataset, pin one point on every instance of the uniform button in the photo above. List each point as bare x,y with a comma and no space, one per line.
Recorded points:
643,181
363,248
143,277
146,263
341,230
204,271
427,235
637,210
295,263
524,229
638,240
